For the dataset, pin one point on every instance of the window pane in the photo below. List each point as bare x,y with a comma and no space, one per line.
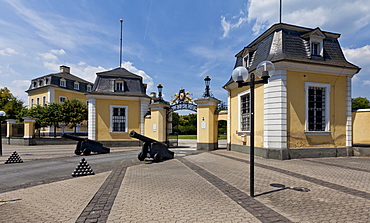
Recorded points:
245,113
119,119
316,109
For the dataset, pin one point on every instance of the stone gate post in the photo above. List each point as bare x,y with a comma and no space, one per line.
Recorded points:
29,130
207,124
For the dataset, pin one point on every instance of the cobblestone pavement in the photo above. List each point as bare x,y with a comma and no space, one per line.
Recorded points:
55,202
206,187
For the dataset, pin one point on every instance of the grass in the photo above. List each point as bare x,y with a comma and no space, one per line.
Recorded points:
195,136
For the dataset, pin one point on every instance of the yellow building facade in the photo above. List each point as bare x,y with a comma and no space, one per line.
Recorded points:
57,88
305,109
117,105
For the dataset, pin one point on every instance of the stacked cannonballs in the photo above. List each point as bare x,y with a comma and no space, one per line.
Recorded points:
82,169
14,158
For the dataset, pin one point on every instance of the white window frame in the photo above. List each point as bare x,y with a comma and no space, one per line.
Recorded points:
88,88
43,100
76,86
63,83
32,102
319,43
116,86
246,60
327,106
111,107
240,95
62,99
37,101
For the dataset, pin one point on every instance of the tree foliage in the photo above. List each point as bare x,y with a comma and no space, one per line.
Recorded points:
360,103
9,103
74,112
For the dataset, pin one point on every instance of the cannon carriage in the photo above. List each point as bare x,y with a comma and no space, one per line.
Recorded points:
86,146
152,148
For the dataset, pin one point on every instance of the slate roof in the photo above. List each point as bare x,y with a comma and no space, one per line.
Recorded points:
285,42
54,80
133,84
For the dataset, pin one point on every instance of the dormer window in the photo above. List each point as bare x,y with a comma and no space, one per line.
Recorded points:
88,88
34,84
118,85
316,38
46,81
316,48
40,83
77,86
246,61
62,82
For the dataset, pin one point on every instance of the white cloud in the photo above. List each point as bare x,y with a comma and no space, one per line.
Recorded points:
8,52
360,56
18,88
146,78
367,82
69,33
233,23
58,52
7,70
333,14
48,56
81,69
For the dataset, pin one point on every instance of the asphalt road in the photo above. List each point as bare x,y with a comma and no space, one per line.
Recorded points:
46,170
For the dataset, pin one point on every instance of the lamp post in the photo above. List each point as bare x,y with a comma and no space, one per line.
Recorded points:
207,81
2,114
160,87
240,75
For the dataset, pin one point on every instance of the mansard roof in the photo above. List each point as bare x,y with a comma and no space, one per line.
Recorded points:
53,80
285,42
132,83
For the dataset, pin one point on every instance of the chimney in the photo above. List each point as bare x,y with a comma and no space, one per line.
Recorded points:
65,69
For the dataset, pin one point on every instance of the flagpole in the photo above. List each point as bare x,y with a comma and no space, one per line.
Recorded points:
120,50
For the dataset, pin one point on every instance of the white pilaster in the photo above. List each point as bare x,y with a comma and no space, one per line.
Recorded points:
275,111
349,112
144,103
91,128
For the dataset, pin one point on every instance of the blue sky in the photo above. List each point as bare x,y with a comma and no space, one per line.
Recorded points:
175,43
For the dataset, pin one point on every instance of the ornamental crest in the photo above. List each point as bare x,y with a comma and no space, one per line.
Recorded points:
182,100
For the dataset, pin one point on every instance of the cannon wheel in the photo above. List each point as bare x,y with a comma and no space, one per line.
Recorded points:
157,157
87,152
77,152
141,156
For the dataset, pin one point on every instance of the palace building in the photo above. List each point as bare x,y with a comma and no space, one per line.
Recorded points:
305,109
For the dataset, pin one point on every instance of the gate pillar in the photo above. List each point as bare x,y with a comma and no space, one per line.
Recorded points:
29,130
9,128
156,126
207,124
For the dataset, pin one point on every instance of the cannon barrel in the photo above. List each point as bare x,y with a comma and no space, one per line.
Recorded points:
136,135
76,138
152,148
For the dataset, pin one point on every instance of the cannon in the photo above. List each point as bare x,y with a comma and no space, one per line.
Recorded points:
86,146
152,148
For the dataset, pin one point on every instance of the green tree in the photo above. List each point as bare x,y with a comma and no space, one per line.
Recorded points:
187,124
359,103
9,103
53,116
73,112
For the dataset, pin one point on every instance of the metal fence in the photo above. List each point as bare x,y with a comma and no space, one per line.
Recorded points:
173,140
18,130
3,129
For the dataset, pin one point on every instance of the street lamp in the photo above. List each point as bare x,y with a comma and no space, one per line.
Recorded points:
240,75
2,114
160,87
207,81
